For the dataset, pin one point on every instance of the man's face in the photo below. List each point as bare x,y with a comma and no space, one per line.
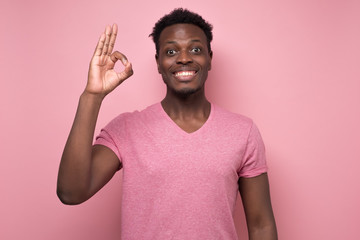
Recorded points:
183,59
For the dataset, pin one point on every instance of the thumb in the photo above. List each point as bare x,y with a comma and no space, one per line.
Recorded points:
128,72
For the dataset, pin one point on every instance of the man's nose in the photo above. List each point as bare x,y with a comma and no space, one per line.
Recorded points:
184,57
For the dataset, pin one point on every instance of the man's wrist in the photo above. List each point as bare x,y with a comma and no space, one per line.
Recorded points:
92,98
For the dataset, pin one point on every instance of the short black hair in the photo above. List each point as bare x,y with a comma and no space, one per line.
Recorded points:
178,16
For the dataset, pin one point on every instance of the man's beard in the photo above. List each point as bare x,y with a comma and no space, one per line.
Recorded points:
182,93
185,92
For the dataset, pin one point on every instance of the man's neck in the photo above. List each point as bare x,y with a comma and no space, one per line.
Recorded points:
194,106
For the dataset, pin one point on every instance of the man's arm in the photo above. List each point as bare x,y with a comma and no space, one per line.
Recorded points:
260,219
84,168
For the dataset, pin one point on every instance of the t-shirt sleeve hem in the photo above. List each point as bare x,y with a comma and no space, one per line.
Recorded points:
254,173
103,142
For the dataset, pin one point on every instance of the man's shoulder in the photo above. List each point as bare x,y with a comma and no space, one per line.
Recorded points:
137,115
223,114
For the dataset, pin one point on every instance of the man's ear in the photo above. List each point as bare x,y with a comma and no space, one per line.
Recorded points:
211,55
157,62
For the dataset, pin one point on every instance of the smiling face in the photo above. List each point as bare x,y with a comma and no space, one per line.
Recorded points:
183,59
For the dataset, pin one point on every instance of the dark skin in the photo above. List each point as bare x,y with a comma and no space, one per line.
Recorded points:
255,196
84,168
183,51
183,61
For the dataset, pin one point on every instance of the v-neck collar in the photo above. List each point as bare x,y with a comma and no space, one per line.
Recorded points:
182,131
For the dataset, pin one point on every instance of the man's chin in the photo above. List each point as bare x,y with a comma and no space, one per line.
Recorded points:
186,92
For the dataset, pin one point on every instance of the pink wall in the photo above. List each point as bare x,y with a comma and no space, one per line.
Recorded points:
292,66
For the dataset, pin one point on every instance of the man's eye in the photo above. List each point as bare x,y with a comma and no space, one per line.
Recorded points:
196,50
170,52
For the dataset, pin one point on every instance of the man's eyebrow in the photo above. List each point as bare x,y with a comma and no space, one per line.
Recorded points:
174,42
170,42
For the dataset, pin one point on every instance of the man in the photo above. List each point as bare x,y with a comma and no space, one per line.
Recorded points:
184,159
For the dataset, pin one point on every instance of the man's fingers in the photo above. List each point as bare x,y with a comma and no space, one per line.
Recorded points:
112,38
128,71
115,56
107,40
100,45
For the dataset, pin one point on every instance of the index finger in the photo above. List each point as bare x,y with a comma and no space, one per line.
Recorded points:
118,56
128,71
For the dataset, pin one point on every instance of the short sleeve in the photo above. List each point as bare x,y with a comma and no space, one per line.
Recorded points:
114,134
105,139
254,160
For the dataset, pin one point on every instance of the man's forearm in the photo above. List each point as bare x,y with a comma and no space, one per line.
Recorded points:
264,233
74,171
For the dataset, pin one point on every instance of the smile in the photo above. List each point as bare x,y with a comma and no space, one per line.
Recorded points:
185,73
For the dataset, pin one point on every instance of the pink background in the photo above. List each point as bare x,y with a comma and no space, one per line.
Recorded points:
292,66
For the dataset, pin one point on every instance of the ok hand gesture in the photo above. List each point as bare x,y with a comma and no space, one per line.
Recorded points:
102,78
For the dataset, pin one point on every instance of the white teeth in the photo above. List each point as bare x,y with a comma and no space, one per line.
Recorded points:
184,74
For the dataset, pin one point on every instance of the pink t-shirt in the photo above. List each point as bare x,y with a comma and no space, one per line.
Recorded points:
179,185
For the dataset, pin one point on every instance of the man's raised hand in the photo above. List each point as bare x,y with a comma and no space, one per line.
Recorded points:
103,78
